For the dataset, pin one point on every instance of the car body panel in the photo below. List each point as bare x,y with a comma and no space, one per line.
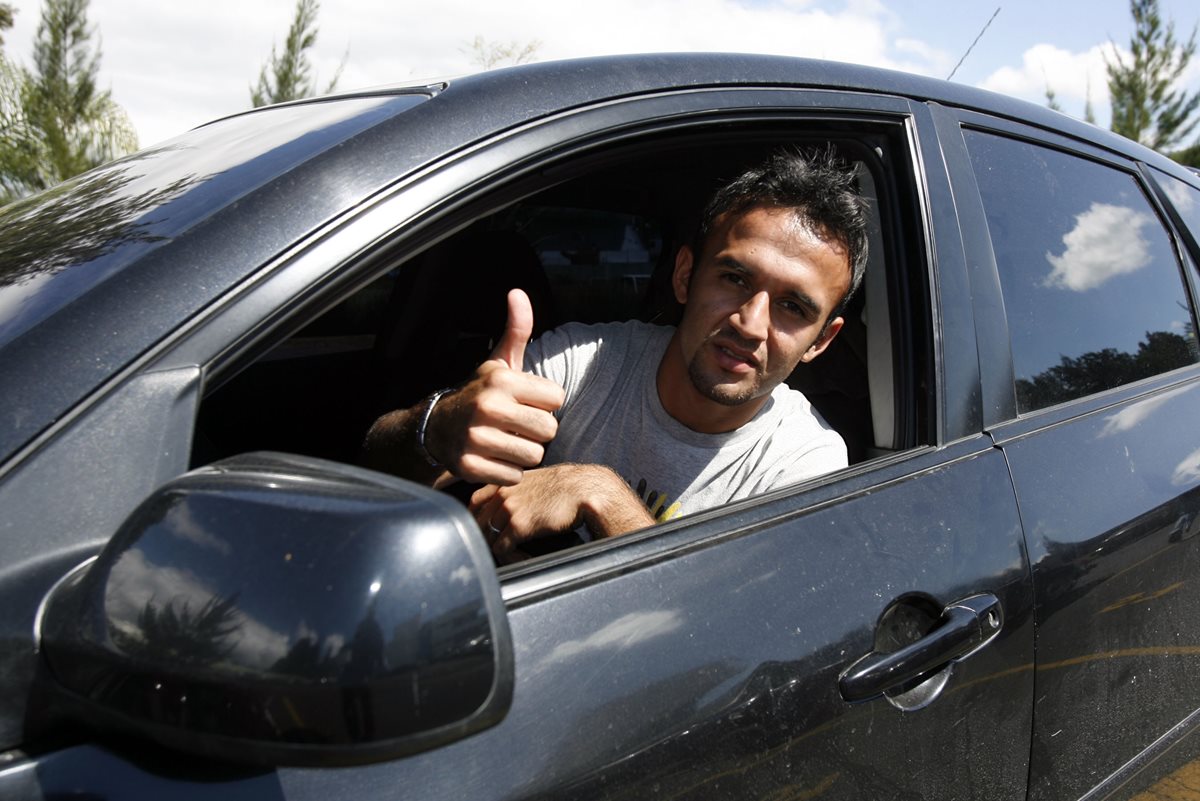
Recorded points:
734,694
1108,493
358,162
167,249
68,499
1113,551
700,659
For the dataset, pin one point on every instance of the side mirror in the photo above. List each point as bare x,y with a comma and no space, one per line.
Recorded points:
286,610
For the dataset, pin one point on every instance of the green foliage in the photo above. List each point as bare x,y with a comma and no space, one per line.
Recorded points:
1097,371
498,54
46,233
202,637
289,77
1189,156
56,124
1145,107
21,151
1052,99
6,19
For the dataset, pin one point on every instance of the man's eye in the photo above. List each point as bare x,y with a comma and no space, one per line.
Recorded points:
734,278
795,309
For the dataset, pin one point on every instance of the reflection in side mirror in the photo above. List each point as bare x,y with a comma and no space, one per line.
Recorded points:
287,610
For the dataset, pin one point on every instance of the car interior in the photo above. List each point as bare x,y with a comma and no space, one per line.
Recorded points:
591,240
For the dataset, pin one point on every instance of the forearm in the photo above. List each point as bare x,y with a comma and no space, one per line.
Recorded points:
487,431
610,507
391,447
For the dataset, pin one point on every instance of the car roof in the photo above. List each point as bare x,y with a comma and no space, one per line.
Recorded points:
217,203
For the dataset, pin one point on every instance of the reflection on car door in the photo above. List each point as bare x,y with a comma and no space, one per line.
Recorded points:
704,662
1108,479
705,659
1115,556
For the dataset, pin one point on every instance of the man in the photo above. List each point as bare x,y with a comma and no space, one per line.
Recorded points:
614,426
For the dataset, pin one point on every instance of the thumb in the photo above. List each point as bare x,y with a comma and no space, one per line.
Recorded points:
511,348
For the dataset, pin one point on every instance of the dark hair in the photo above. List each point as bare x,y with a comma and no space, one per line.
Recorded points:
821,190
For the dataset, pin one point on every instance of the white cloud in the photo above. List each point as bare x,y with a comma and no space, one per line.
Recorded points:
914,55
186,527
1106,241
333,645
173,66
1132,416
1074,77
1181,195
624,632
1188,471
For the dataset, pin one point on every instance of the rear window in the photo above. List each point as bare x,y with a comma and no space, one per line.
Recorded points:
1092,287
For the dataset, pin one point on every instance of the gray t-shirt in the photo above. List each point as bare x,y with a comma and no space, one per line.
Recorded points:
613,416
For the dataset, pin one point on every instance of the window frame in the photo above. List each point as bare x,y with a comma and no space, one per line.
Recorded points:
1003,420
422,210
1187,238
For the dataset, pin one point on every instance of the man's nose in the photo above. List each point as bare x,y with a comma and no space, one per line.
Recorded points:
753,317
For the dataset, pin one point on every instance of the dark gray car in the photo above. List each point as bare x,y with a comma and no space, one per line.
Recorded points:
204,598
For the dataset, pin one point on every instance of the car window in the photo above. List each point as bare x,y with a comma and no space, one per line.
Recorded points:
1092,287
598,261
1184,197
598,246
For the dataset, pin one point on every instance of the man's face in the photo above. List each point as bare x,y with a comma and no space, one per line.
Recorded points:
756,303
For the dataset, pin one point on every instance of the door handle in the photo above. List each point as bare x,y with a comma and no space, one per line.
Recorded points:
964,627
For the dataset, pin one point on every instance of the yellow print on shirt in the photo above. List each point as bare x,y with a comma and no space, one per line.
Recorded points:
657,503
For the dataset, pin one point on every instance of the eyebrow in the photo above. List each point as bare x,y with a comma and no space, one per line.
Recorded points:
803,298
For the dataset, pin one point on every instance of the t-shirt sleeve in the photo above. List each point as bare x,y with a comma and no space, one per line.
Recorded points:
825,452
565,355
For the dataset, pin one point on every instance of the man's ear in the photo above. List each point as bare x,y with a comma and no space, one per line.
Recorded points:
818,347
683,273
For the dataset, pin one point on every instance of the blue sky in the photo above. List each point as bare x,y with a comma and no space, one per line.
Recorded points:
176,65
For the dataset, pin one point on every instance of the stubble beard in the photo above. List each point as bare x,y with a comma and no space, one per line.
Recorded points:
720,391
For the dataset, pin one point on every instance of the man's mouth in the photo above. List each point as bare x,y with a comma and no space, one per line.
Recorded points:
735,359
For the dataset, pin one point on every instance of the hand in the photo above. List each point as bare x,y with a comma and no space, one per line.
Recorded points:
496,425
555,499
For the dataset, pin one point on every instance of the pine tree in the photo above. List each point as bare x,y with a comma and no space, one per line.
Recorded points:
1052,99
489,54
1145,107
20,145
56,123
289,77
6,20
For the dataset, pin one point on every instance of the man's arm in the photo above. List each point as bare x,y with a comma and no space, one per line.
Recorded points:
488,431
391,447
555,499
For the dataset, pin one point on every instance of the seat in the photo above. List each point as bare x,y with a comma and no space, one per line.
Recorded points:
851,384
449,309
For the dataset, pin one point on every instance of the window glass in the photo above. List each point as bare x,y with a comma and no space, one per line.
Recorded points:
599,262
1092,288
1184,197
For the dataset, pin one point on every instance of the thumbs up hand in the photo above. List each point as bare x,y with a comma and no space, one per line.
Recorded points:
517,331
496,426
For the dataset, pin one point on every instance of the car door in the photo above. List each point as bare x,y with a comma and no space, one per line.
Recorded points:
1097,421
865,635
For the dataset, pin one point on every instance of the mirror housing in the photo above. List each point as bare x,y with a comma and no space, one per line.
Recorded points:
281,609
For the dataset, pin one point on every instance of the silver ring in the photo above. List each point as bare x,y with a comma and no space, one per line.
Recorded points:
493,529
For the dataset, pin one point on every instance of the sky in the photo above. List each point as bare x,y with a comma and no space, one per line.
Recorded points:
173,66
